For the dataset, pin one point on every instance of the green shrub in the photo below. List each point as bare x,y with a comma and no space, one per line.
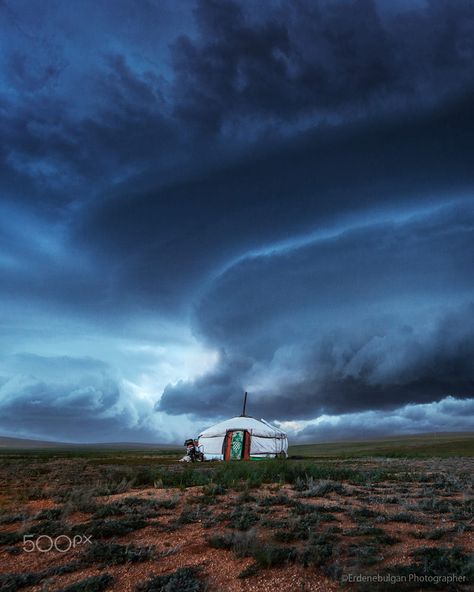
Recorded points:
145,507
317,551
13,582
241,543
430,561
183,579
444,560
405,517
189,516
275,500
12,518
81,499
248,572
271,555
362,513
91,584
243,518
319,487
365,553
50,514
115,554
109,528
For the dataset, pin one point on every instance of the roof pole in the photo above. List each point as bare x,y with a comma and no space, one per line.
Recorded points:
245,404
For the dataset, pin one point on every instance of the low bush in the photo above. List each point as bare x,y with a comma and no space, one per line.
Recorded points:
243,518
405,517
115,554
444,560
319,487
144,507
252,570
241,543
109,528
317,551
364,553
434,562
13,582
271,555
91,584
183,579
12,518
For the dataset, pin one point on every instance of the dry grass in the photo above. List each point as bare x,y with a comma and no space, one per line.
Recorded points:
235,527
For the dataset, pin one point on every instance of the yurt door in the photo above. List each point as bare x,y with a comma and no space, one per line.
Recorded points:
237,445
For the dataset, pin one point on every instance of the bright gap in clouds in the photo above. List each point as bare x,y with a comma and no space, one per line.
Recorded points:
166,364
448,414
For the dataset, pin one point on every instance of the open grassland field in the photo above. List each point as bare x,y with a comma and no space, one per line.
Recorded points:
419,446
138,521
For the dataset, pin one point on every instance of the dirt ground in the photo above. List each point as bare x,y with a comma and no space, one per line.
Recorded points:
309,535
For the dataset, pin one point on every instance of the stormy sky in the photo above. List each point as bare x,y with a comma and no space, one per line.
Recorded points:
204,197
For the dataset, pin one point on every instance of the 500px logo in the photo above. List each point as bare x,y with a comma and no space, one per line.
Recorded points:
62,543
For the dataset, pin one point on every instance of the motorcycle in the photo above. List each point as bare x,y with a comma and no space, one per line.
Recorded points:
193,452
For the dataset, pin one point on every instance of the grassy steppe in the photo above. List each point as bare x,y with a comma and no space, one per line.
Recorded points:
390,506
441,445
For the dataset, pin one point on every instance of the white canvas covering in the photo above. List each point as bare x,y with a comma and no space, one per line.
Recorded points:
266,440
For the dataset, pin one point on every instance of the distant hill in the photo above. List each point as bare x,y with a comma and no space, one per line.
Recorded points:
442,444
6,442
23,444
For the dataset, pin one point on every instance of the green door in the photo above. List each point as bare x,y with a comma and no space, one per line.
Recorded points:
237,445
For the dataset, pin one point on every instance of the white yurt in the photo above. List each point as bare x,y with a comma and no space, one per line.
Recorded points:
243,438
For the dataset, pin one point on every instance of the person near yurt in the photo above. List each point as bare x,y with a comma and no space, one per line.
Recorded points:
243,438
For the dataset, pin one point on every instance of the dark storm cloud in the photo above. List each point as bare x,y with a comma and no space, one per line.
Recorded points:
84,118
150,94
371,319
318,58
78,117
298,188
149,146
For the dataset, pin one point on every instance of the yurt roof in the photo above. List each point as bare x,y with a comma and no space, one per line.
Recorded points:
258,427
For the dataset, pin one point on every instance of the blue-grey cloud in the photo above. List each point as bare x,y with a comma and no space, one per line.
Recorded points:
157,157
448,415
369,319
72,400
